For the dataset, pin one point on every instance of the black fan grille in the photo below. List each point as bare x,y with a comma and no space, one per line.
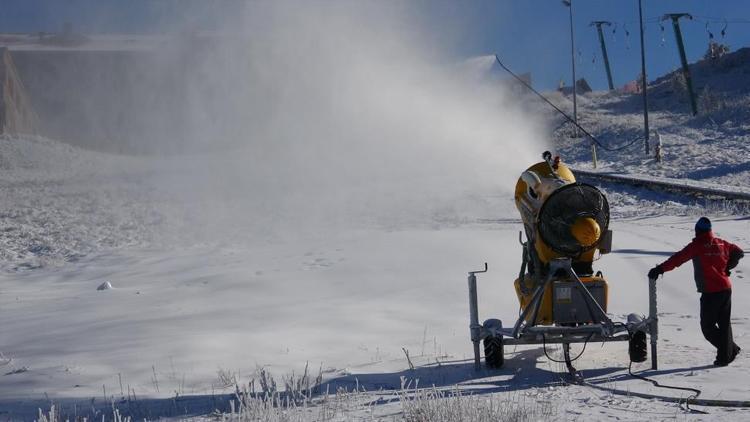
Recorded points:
561,210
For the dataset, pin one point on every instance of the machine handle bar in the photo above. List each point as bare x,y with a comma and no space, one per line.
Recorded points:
477,272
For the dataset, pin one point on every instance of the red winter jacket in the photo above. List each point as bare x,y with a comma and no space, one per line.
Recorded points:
712,259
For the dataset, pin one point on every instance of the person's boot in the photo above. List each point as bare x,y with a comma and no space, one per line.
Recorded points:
735,351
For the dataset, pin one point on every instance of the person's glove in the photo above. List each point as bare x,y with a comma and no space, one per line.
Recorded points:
655,272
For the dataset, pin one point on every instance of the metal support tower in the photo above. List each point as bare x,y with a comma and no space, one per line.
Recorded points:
598,25
675,17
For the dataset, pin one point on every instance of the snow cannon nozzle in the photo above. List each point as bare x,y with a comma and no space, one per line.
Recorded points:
586,231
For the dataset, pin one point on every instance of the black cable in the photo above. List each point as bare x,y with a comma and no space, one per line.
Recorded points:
693,398
631,143
654,19
630,371
719,20
656,384
593,138
544,345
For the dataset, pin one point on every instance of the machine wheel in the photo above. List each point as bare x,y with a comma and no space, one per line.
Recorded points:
493,352
637,347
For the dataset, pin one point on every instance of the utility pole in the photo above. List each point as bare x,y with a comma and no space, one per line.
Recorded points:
569,3
644,83
598,25
675,17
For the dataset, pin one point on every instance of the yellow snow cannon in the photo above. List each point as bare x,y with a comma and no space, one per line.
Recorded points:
562,219
562,299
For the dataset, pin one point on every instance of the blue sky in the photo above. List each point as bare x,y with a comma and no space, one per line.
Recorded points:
534,35
529,35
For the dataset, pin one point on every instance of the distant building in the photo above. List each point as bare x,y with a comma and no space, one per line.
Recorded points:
582,87
111,93
632,87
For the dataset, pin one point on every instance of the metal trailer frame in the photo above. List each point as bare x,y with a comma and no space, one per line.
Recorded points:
523,332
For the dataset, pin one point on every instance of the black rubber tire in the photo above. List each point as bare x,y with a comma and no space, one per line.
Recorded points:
493,352
637,347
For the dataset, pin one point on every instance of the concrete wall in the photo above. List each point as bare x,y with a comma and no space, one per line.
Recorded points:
16,113
185,94
106,100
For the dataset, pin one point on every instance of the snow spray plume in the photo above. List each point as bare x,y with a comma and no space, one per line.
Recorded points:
307,113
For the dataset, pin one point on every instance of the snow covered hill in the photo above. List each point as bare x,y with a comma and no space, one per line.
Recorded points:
710,147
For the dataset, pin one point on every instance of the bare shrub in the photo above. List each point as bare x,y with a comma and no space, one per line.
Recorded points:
226,378
709,101
438,405
279,407
266,381
678,82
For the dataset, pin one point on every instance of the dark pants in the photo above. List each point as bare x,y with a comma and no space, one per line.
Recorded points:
716,311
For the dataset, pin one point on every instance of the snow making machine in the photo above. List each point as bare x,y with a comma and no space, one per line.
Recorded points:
562,299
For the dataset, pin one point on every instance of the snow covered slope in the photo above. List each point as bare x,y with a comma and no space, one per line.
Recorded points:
709,147
60,203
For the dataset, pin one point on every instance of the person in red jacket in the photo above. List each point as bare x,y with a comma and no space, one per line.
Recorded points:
713,260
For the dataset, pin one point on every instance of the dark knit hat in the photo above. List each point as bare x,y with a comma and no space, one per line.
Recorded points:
703,225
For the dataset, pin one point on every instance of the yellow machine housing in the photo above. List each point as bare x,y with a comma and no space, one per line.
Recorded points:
545,316
583,235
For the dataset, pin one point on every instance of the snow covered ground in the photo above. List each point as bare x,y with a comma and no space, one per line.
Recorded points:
183,317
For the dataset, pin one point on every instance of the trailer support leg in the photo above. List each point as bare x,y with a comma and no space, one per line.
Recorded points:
474,318
654,324
474,327
532,308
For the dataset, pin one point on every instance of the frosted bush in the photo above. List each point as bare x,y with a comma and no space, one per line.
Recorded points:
709,101
436,405
716,51
678,82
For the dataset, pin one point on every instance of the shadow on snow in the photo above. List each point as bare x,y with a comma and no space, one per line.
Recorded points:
521,371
